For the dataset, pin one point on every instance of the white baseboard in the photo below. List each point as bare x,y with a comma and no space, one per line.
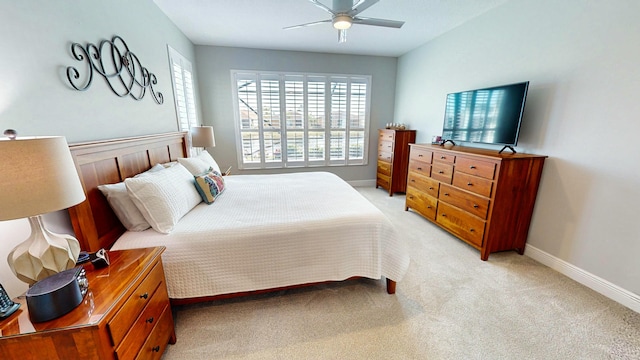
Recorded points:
362,183
604,287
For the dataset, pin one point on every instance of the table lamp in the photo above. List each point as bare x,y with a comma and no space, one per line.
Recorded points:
202,136
38,176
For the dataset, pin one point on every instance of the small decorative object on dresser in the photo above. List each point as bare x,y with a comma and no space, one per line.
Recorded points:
481,196
124,315
393,158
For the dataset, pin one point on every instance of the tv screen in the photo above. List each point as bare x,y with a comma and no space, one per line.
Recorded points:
491,116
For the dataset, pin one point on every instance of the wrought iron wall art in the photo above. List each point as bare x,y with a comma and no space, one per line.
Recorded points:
121,69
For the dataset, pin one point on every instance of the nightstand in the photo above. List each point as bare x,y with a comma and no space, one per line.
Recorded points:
125,315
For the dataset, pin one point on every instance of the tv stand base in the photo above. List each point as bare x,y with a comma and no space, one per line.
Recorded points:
507,147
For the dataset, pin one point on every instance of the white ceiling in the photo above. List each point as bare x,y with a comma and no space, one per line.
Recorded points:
259,24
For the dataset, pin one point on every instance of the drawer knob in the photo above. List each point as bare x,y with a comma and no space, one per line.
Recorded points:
430,187
472,230
428,206
411,197
413,180
419,155
443,157
475,206
446,194
150,320
469,184
419,168
440,172
144,296
472,167
444,215
156,348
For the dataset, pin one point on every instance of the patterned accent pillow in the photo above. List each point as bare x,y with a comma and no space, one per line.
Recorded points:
210,185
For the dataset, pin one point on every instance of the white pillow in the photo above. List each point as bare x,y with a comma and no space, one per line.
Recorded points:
164,198
200,164
126,211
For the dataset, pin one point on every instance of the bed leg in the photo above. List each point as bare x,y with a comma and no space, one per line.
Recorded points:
391,286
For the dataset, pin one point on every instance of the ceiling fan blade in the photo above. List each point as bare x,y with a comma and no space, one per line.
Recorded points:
361,6
378,22
307,24
322,6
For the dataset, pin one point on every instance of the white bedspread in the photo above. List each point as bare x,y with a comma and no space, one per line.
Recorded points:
268,231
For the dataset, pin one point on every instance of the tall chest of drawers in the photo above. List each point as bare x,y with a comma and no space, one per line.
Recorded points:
393,159
482,197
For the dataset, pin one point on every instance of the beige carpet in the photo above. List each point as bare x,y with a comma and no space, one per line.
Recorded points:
450,305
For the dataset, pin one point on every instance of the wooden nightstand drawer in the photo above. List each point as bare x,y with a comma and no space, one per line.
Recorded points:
122,321
160,335
143,325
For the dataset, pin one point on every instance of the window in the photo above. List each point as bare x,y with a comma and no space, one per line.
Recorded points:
183,91
300,120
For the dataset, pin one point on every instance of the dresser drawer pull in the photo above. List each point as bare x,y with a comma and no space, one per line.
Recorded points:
419,155
472,167
430,187
411,197
156,348
144,296
150,320
428,206
469,184
475,206
472,230
413,180
440,172
444,215
446,194
420,168
443,157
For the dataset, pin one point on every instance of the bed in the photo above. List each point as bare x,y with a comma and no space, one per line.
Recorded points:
263,233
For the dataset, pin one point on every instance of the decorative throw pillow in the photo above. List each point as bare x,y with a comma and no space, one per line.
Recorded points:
123,207
210,185
164,198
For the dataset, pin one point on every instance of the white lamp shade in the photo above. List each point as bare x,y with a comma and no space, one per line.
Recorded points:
37,176
202,136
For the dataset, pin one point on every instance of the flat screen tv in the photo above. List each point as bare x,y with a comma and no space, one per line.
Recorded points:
489,116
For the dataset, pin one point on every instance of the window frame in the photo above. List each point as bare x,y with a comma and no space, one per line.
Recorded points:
183,89
349,128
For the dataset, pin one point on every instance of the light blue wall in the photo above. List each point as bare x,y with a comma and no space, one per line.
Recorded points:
35,98
582,58
214,71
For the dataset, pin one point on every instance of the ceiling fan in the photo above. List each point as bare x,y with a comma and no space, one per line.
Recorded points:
344,14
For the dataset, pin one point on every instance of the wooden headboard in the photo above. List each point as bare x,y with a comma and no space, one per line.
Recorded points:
108,162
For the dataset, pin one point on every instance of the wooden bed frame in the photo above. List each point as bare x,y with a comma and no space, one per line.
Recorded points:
111,161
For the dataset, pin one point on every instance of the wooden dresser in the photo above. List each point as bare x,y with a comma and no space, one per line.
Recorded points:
125,315
478,195
393,159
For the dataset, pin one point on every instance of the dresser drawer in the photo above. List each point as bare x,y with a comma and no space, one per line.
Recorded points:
420,168
478,185
122,321
443,157
386,135
385,156
474,204
383,180
419,154
384,168
463,224
427,185
421,202
160,335
385,146
476,167
144,324
442,172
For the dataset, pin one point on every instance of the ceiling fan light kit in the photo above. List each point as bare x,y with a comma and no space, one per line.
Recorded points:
342,22
344,14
